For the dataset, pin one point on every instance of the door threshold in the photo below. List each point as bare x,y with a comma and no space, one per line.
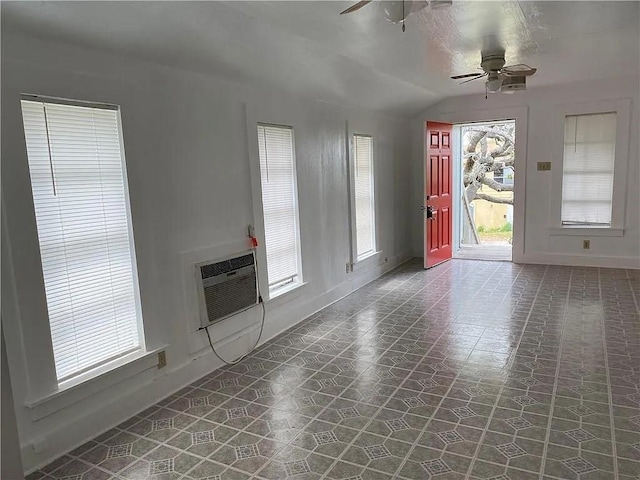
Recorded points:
494,253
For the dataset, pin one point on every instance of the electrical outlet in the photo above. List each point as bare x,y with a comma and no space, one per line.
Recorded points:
162,359
586,244
544,166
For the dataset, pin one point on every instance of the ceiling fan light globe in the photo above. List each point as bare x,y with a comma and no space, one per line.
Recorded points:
394,12
494,84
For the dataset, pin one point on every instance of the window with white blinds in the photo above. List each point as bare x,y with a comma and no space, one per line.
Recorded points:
363,192
588,165
279,205
80,197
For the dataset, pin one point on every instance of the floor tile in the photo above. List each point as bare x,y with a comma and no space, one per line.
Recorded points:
469,370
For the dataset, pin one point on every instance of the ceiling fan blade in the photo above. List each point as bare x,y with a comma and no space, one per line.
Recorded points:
475,78
519,70
467,75
356,6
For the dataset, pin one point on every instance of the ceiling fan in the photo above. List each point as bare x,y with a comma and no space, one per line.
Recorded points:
500,78
398,11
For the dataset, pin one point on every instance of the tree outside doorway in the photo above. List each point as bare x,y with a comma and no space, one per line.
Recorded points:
488,163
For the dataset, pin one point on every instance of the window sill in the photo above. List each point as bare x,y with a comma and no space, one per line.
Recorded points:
83,386
366,261
284,295
587,231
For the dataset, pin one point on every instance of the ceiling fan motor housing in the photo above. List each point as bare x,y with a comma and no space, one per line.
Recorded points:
492,63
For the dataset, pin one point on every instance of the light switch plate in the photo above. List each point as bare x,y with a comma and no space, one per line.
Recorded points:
544,166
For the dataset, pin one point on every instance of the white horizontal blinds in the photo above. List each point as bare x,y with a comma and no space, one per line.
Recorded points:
278,180
587,182
80,204
364,206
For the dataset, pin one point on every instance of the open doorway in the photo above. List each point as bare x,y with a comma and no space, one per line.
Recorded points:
484,159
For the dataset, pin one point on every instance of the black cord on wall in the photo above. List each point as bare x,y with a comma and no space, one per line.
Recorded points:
264,315
239,359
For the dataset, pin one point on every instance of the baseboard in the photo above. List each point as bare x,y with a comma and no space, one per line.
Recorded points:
144,391
601,261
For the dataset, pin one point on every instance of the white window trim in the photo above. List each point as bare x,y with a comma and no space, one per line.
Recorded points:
622,108
142,348
27,311
580,231
31,312
253,119
370,260
355,261
284,295
93,382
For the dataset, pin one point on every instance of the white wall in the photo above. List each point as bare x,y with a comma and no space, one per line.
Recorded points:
10,458
541,104
185,137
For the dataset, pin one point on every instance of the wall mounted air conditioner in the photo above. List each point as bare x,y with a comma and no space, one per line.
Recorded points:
226,286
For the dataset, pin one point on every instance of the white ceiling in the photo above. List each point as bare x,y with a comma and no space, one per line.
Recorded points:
358,59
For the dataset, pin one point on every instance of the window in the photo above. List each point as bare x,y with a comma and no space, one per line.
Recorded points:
588,166
80,196
279,206
363,193
503,175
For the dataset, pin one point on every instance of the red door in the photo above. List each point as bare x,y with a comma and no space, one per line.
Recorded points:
438,225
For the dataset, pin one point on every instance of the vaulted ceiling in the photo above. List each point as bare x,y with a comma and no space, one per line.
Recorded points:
359,59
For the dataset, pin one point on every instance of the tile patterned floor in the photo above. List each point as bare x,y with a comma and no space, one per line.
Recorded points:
469,370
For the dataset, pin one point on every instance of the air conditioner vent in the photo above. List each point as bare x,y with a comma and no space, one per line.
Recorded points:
225,266
227,287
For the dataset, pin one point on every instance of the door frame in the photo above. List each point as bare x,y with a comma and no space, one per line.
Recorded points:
520,115
456,180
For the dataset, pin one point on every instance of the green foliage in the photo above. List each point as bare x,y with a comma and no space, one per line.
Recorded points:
504,228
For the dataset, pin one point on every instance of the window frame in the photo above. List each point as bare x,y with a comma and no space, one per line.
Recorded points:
272,293
356,262
352,197
503,179
118,361
622,108
25,311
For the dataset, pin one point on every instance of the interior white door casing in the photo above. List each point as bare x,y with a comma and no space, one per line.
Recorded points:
520,115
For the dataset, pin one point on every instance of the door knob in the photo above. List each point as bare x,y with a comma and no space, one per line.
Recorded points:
430,212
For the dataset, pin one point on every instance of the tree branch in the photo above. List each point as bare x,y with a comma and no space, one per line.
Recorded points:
473,141
498,187
492,132
489,198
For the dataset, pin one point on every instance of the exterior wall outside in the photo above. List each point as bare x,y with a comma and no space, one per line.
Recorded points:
490,215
